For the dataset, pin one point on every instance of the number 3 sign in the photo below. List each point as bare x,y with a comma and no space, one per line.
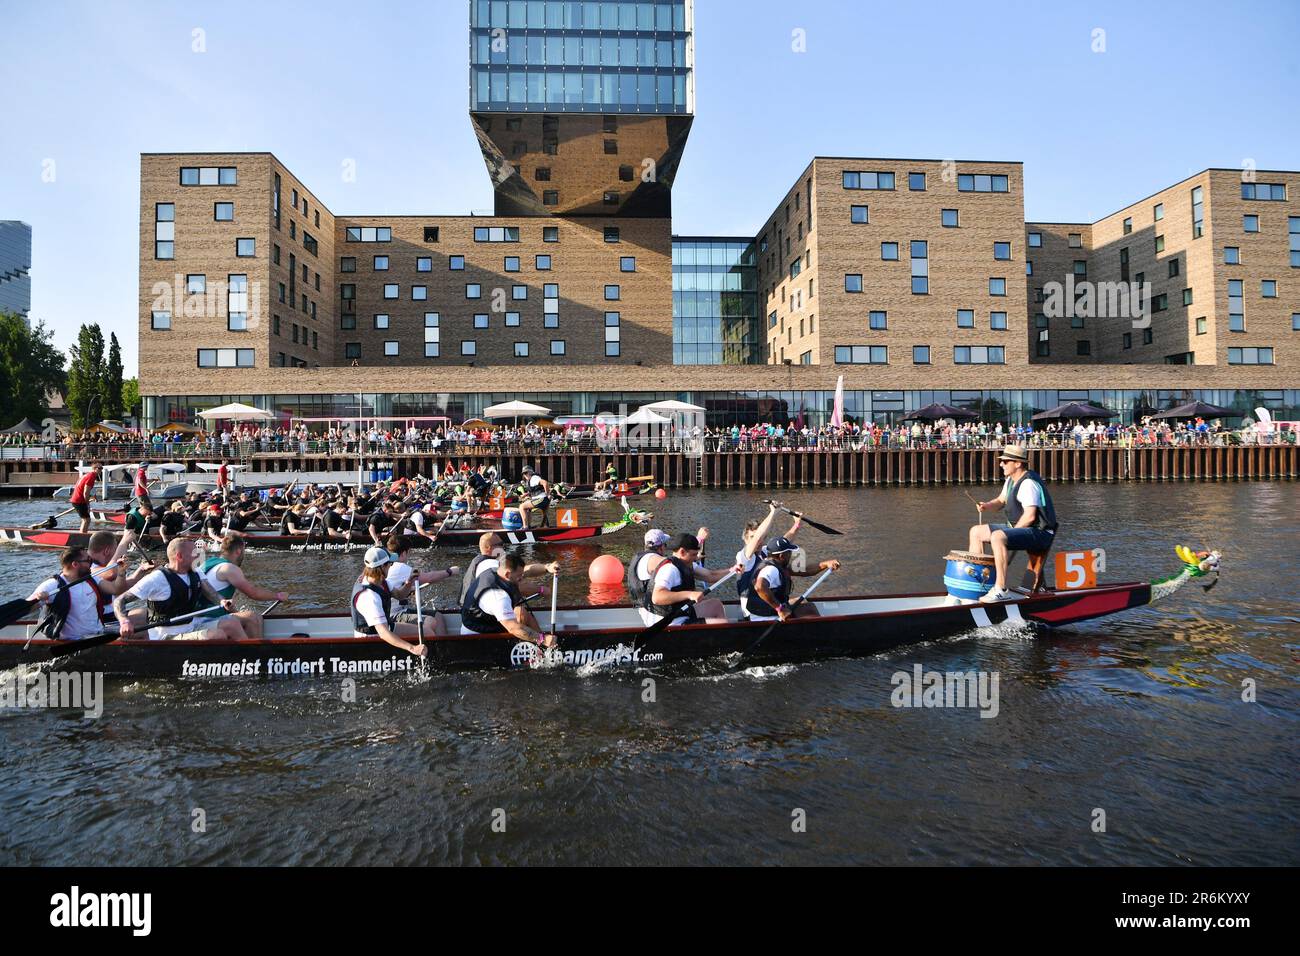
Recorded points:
1079,569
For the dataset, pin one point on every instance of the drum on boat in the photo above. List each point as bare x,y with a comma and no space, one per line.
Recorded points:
968,576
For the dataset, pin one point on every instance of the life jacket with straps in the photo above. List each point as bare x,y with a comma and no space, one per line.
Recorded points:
636,588
687,571
473,616
471,573
359,623
745,583
56,615
1045,520
186,592
754,604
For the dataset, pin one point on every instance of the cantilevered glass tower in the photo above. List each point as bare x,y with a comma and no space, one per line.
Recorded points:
582,109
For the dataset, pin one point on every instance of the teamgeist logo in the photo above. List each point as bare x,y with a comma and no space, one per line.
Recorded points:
523,653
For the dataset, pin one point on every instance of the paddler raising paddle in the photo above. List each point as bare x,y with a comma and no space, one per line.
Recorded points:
754,553
770,598
1030,512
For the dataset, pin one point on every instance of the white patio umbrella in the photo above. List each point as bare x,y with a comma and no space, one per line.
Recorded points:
236,412
672,405
646,416
515,409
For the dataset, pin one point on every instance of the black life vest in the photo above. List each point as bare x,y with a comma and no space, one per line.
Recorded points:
385,597
755,605
637,589
745,583
1045,520
186,593
471,573
687,571
60,606
473,616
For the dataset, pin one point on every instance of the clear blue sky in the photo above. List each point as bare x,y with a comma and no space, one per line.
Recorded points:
90,86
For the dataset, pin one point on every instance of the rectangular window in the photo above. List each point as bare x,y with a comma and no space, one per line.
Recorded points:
347,322
920,355
550,234
430,233
1187,297
1076,240
1231,256
1081,268
468,347
1174,268
1160,243
558,347
1001,250
627,264
512,320
512,264
1158,212
1035,240
481,320
456,263
473,291
352,350
858,214
877,321
1250,356
161,321
1250,223
948,218
424,264
245,248
392,290
611,234
542,263
979,355
1198,213
998,321
391,347
1127,340
209,176
611,293
368,234
223,211
1264,191
889,251
1293,230
550,197
164,231
496,233
613,336
861,355
965,318
519,292
381,321
997,286
977,183
853,282
1160,302
431,333
196,284
916,182
1128,226
237,303
226,358
868,180
1083,347
920,268
381,263
309,243
521,350
1201,326
347,264
1268,288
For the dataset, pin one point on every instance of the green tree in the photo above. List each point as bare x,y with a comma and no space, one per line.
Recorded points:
85,398
131,404
110,386
30,367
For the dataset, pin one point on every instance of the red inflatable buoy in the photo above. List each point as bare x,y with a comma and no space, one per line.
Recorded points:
661,494
606,569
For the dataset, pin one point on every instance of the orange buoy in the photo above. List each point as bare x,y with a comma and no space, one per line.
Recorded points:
661,494
606,569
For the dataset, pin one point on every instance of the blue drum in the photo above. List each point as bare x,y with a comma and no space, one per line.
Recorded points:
968,576
512,520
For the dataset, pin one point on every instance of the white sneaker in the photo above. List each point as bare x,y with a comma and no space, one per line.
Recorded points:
995,595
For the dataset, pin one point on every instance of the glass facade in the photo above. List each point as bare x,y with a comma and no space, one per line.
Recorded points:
1009,406
15,268
559,56
715,302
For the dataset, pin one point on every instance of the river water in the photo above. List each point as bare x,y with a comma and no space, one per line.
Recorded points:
1138,717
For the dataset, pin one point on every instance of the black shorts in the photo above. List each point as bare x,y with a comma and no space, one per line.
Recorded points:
82,509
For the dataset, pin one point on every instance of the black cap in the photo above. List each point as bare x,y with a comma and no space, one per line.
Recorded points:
780,545
686,542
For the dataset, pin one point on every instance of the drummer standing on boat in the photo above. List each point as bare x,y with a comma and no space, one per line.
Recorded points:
1030,513
141,489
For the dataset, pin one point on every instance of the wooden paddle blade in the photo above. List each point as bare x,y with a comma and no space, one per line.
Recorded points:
71,647
16,610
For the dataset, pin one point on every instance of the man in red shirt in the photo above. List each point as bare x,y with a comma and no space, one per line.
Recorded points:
141,490
82,495
223,478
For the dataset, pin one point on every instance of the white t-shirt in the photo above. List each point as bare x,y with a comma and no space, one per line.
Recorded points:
399,573
371,609
155,587
748,564
83,613
495,602
1030,494
651,560
773,579
670,579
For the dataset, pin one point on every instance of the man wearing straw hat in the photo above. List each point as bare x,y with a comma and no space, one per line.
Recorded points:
1030,512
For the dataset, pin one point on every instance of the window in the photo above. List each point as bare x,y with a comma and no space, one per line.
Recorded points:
627,264
611,234
381,263
1001,250
275,324
1158,212
861,355
997,286
347,322
1160,302
1083,347
161,321
431,331
430,233
1128,226
227,358
392,290
610,197
550,197
245,248
196,284
853,282
1187,297
1160,243
473,291
542,174
862,180
558,347
511,264
878,321
369,234
456,263
916,182
1174,267
481,320
352,350
164,230
1264,191
858,214
948,218
968,183
209,176
391,347
496,233
237,303
1236,311
1029,267
1295,321
1231,256
519,292
348,264
1293,230
1128,340
1040,320
424,264
542,263
1268,288
1035,240
965,318
550,234
1198,213
1147,336
1201,326
611,147
309,243
613,334
1081,268
468,347
920,268
1043,347
998,321
381,321
1076,240
920,355
611,293
275,258
1250,223
521,350
979,355
1250,356
889,251
223,211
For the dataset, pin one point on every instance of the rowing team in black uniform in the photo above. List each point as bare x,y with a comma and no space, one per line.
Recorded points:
662,580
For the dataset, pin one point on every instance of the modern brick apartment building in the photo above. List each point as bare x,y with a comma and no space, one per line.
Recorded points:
917,280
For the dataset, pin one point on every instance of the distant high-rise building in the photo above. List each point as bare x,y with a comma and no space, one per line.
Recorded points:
15,268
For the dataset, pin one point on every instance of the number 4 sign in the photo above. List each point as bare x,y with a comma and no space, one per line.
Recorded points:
1079,569
567,517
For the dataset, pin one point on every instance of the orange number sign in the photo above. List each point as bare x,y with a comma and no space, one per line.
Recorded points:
1079,569
567,517
497,502
621,488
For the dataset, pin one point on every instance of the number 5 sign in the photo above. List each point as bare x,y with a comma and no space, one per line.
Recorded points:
1079,569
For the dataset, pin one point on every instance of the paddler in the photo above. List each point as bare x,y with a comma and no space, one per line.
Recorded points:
490,550
173,522
754,553
1030,513
401,579
372,605
225,575
770,598
141,490
641,569
674,582
83,494
174,590
424,521
107,555
494,605
75,611
138,522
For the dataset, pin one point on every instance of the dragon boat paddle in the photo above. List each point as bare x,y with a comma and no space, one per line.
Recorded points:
824,529
51,521
799,600
661,625
108,637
